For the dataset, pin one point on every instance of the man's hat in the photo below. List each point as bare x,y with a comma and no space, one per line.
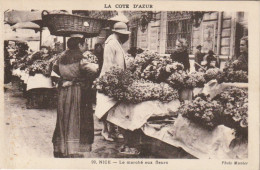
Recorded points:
120,28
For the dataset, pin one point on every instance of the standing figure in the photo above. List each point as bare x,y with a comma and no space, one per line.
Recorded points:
244,52
181,55
212,60
74,132
114,56
198,57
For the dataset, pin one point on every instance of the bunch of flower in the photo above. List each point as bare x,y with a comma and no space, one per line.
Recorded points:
235,71
173,67
235,65
213,73
39,66
151,66
177,80
21,62
195,79
203,112
125,86
129,61
114,83
167,93
89,57
160,69
143,90
142,60
235,104
236,76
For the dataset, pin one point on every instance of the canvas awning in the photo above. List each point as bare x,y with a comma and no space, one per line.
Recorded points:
16,16
20,35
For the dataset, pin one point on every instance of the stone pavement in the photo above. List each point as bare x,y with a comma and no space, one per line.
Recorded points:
29,131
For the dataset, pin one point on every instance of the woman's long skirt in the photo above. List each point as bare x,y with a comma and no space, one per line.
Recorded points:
74,130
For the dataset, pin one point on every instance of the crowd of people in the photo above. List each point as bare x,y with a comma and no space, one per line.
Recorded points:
74,131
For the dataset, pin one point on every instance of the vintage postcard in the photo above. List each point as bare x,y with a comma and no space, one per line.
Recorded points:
130,84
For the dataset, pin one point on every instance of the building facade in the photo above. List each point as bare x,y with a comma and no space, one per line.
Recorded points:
217,31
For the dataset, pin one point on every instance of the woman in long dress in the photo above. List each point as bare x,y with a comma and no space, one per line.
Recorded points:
74,132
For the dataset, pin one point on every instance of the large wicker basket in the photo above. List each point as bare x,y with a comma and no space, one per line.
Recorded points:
67,24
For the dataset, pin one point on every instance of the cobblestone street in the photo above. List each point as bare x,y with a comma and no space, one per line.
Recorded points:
29,131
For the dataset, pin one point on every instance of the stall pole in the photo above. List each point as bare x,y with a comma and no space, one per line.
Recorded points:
64,43
40,38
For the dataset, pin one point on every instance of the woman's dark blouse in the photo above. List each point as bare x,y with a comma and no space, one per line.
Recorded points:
181,57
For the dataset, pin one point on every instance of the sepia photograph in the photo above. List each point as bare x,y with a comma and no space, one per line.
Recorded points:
132,85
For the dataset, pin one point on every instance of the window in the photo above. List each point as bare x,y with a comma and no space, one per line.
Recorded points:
178,28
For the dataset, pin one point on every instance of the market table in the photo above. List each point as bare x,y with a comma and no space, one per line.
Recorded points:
134,116
201,143
38,81
181,133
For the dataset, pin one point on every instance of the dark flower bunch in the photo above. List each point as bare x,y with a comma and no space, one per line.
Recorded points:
195,79
235,114
213,73
160,69
173,67
20,49
203,112
153,67
142,60
234,71
36,56
21,62
39,66
236,76
177,80
235,65
125,86
89,57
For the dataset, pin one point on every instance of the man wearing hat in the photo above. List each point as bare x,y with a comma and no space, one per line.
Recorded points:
114,56
198,57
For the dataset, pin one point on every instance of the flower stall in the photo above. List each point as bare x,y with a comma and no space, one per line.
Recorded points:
155,95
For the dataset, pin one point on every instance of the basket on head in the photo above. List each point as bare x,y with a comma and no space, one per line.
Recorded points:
67,24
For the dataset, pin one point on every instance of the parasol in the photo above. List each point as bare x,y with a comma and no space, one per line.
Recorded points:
26,25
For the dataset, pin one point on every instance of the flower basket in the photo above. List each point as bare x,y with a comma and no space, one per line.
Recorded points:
67,24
